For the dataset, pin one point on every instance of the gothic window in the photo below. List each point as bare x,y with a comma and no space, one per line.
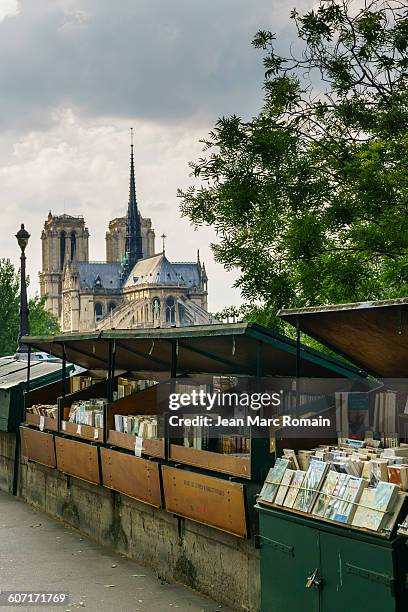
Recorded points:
73,245
170,310
182,313
156,309
111,306
98,311
63,237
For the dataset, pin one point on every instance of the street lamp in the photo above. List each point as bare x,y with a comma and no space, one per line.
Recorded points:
22,239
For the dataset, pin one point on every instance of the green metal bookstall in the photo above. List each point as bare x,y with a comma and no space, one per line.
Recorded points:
308,564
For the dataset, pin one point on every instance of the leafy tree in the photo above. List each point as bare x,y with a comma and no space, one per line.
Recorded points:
9,311
41,321
309,198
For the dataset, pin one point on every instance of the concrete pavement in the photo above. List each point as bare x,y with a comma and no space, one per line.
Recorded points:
38,553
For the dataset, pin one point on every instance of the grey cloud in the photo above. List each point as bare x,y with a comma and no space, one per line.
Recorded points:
153,59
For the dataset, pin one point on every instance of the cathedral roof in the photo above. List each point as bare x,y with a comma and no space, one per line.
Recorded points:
158,270
189,272
95,273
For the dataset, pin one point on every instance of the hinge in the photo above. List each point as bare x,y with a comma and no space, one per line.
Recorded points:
370,575
289,550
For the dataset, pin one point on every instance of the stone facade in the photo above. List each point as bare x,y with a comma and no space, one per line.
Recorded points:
64,239
116,239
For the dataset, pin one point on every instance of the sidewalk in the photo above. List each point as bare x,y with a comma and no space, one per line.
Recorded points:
40,554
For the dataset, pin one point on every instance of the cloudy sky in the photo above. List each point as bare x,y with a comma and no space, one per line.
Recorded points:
75,75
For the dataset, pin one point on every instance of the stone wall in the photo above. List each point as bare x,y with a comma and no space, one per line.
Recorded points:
219,565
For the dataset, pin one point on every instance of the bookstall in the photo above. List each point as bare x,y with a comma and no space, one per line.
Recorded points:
332,529
42,403
110,434
333,517
135,416
43,409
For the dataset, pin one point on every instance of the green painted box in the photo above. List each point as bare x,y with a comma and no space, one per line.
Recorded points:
319,567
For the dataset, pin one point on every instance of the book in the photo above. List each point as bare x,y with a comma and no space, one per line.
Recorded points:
335,500
294,488
304,457
119,422
378,471
284,487
325,496
290,454
366,473
311,485
351,496
273,480
397,451
398,474
374,506
355,443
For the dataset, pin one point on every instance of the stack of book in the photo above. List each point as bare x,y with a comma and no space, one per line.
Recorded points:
47,410
83,382
129,386
358,458
144,426
330,489
196,437
234,445
88,412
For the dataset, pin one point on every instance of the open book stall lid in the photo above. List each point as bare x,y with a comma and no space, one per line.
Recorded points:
372,335
232,349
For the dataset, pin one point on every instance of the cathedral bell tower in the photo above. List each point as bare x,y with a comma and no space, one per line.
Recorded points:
64,239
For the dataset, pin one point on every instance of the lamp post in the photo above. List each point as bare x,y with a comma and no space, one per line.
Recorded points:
22,239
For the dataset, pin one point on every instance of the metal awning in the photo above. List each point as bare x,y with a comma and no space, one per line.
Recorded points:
373,335
14,372
233,349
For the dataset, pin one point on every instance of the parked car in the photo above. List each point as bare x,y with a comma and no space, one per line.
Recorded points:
40,356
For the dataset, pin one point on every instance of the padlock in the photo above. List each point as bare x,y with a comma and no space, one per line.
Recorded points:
314,581
310,580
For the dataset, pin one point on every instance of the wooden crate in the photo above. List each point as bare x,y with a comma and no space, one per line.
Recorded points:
145,403
152,447
217,462
86,432
34,420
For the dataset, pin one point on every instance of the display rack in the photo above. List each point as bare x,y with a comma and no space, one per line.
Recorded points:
82,431
143,402
47,394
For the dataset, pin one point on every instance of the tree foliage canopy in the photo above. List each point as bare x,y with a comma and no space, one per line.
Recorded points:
309,198
41,321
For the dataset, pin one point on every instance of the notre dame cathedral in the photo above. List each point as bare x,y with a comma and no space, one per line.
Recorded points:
135,287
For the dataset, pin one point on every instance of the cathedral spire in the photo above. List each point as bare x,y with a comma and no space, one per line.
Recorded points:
134,250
